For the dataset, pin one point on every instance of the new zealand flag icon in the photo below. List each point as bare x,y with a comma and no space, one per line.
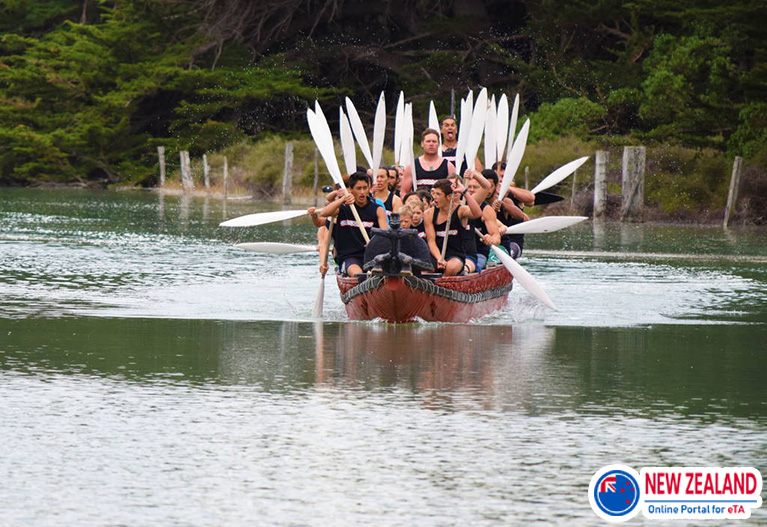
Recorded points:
616,493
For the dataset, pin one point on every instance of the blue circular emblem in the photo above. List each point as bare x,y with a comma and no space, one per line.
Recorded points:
616,493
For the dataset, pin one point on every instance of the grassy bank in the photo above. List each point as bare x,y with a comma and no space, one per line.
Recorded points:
681,184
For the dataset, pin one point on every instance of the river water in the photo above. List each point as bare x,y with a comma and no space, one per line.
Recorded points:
152,374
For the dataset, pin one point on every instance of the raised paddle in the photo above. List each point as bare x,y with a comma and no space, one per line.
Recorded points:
477,128
399,128
524,278
491,149
347,142
379,131
559,174
324,141
276,248
262,218
545,224
325,251
434,122
513,160
359,131
502,127
513,124
544,198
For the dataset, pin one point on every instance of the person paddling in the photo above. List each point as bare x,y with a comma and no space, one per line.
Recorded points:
446,197
429,167
382,191
349,243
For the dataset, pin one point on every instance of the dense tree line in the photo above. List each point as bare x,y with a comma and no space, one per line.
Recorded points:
89,88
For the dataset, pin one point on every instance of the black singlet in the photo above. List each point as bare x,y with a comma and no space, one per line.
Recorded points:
426,179
455,247
346,234
478,223
508,220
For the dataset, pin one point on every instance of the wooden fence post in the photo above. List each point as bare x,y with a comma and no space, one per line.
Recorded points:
287,178
732,196
572,196
632,184
206,172
186,169
161,156
600,183
527,178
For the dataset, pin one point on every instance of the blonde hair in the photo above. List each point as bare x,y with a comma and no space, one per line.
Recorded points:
406,210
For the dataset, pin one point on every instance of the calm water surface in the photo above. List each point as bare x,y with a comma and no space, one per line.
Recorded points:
154,375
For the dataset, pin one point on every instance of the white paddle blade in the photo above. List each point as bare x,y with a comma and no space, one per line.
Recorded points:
379,131
546,224
399,123
324,141
434,122
502,126
347,143
524,278
477,127
515,158
559,174
491,150
262,218
513,124
320,300
359,131
276,248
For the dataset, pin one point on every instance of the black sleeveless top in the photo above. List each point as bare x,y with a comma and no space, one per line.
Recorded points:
346,234
455,238
507,220
479,224
426,179
449,154
421,230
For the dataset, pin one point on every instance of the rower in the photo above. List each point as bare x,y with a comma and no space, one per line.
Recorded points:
449,129
430,166
383,192
487,224
349,243
435,223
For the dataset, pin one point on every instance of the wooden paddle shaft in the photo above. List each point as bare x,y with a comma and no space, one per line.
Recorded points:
326,248
447,224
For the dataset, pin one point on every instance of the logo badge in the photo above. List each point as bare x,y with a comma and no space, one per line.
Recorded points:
614,493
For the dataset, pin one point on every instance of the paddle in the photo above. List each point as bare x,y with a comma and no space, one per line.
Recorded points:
524,278
324,141
434,122
347,143
320,300
262,218
545,224
502,127
359,131
559,174
477,127
514,159
447,224
407,157
463,134
399,128
276,248
544,198
491,149
513,124
379,131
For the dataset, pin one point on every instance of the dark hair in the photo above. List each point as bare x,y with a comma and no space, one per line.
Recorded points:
445,185
360,168
490,175
451,117
499,164
425,195
358,176
429,131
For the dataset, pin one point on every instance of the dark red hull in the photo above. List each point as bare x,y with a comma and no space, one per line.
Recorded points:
408,298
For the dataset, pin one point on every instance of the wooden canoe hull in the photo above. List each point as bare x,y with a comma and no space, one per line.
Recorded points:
407,298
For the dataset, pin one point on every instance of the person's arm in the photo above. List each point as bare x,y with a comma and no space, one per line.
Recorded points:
407,180
514,211
396,203
333,208
431,234
525,197
316,219
490,218
483,192
471,209
381,215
